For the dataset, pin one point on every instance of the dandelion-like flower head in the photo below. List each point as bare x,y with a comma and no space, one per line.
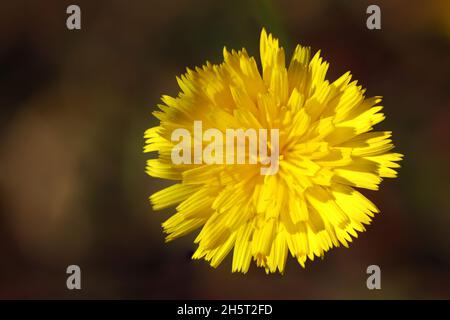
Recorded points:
327,150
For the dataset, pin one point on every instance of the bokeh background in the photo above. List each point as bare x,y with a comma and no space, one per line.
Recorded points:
75,104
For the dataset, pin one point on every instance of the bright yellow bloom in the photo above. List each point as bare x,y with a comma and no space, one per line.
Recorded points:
326,149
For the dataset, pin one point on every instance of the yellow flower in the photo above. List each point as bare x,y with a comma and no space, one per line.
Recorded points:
327,149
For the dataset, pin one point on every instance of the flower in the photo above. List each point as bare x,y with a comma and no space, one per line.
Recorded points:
327,149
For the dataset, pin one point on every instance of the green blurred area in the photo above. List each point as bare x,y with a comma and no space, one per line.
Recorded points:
75,105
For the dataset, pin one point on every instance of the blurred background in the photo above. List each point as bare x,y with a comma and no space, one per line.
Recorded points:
75,105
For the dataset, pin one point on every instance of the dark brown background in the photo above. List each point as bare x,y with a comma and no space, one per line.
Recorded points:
75,104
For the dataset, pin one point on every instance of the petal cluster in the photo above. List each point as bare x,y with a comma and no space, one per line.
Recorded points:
328,150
